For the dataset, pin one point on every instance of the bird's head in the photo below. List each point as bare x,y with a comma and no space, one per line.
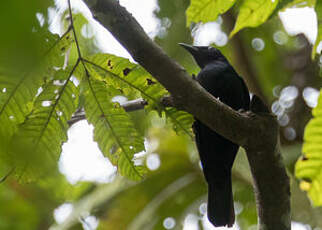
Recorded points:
204,54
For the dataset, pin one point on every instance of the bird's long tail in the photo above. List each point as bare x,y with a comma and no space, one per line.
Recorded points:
220,203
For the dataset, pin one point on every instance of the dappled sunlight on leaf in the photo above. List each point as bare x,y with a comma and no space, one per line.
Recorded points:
207,10
253,13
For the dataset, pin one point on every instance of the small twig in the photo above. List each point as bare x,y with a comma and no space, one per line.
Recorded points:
4,178
128,106
134,105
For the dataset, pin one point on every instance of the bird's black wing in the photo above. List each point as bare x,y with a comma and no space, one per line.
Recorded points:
217,154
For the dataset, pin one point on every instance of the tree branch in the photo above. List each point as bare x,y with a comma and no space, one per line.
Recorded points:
271,183
256,131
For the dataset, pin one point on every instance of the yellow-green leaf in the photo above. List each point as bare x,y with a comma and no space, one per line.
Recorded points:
207,10
253,13
309,166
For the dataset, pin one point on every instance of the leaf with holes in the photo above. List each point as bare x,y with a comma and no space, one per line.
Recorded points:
126,76
114,130
309,166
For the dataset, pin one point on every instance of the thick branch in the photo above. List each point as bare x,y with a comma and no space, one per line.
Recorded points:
256,131
271,183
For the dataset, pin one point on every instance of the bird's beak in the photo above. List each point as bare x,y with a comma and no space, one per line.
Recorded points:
191,49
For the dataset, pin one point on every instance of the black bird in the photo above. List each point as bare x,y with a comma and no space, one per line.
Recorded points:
217,153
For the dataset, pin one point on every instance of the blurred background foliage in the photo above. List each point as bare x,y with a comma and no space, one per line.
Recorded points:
282,69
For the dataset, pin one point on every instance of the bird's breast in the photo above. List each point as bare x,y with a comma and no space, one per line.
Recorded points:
223,83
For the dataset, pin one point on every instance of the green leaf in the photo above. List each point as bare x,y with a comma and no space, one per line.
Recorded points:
309,167
207,10
37,144
114,130
131,79
16,94
181,121
253,13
